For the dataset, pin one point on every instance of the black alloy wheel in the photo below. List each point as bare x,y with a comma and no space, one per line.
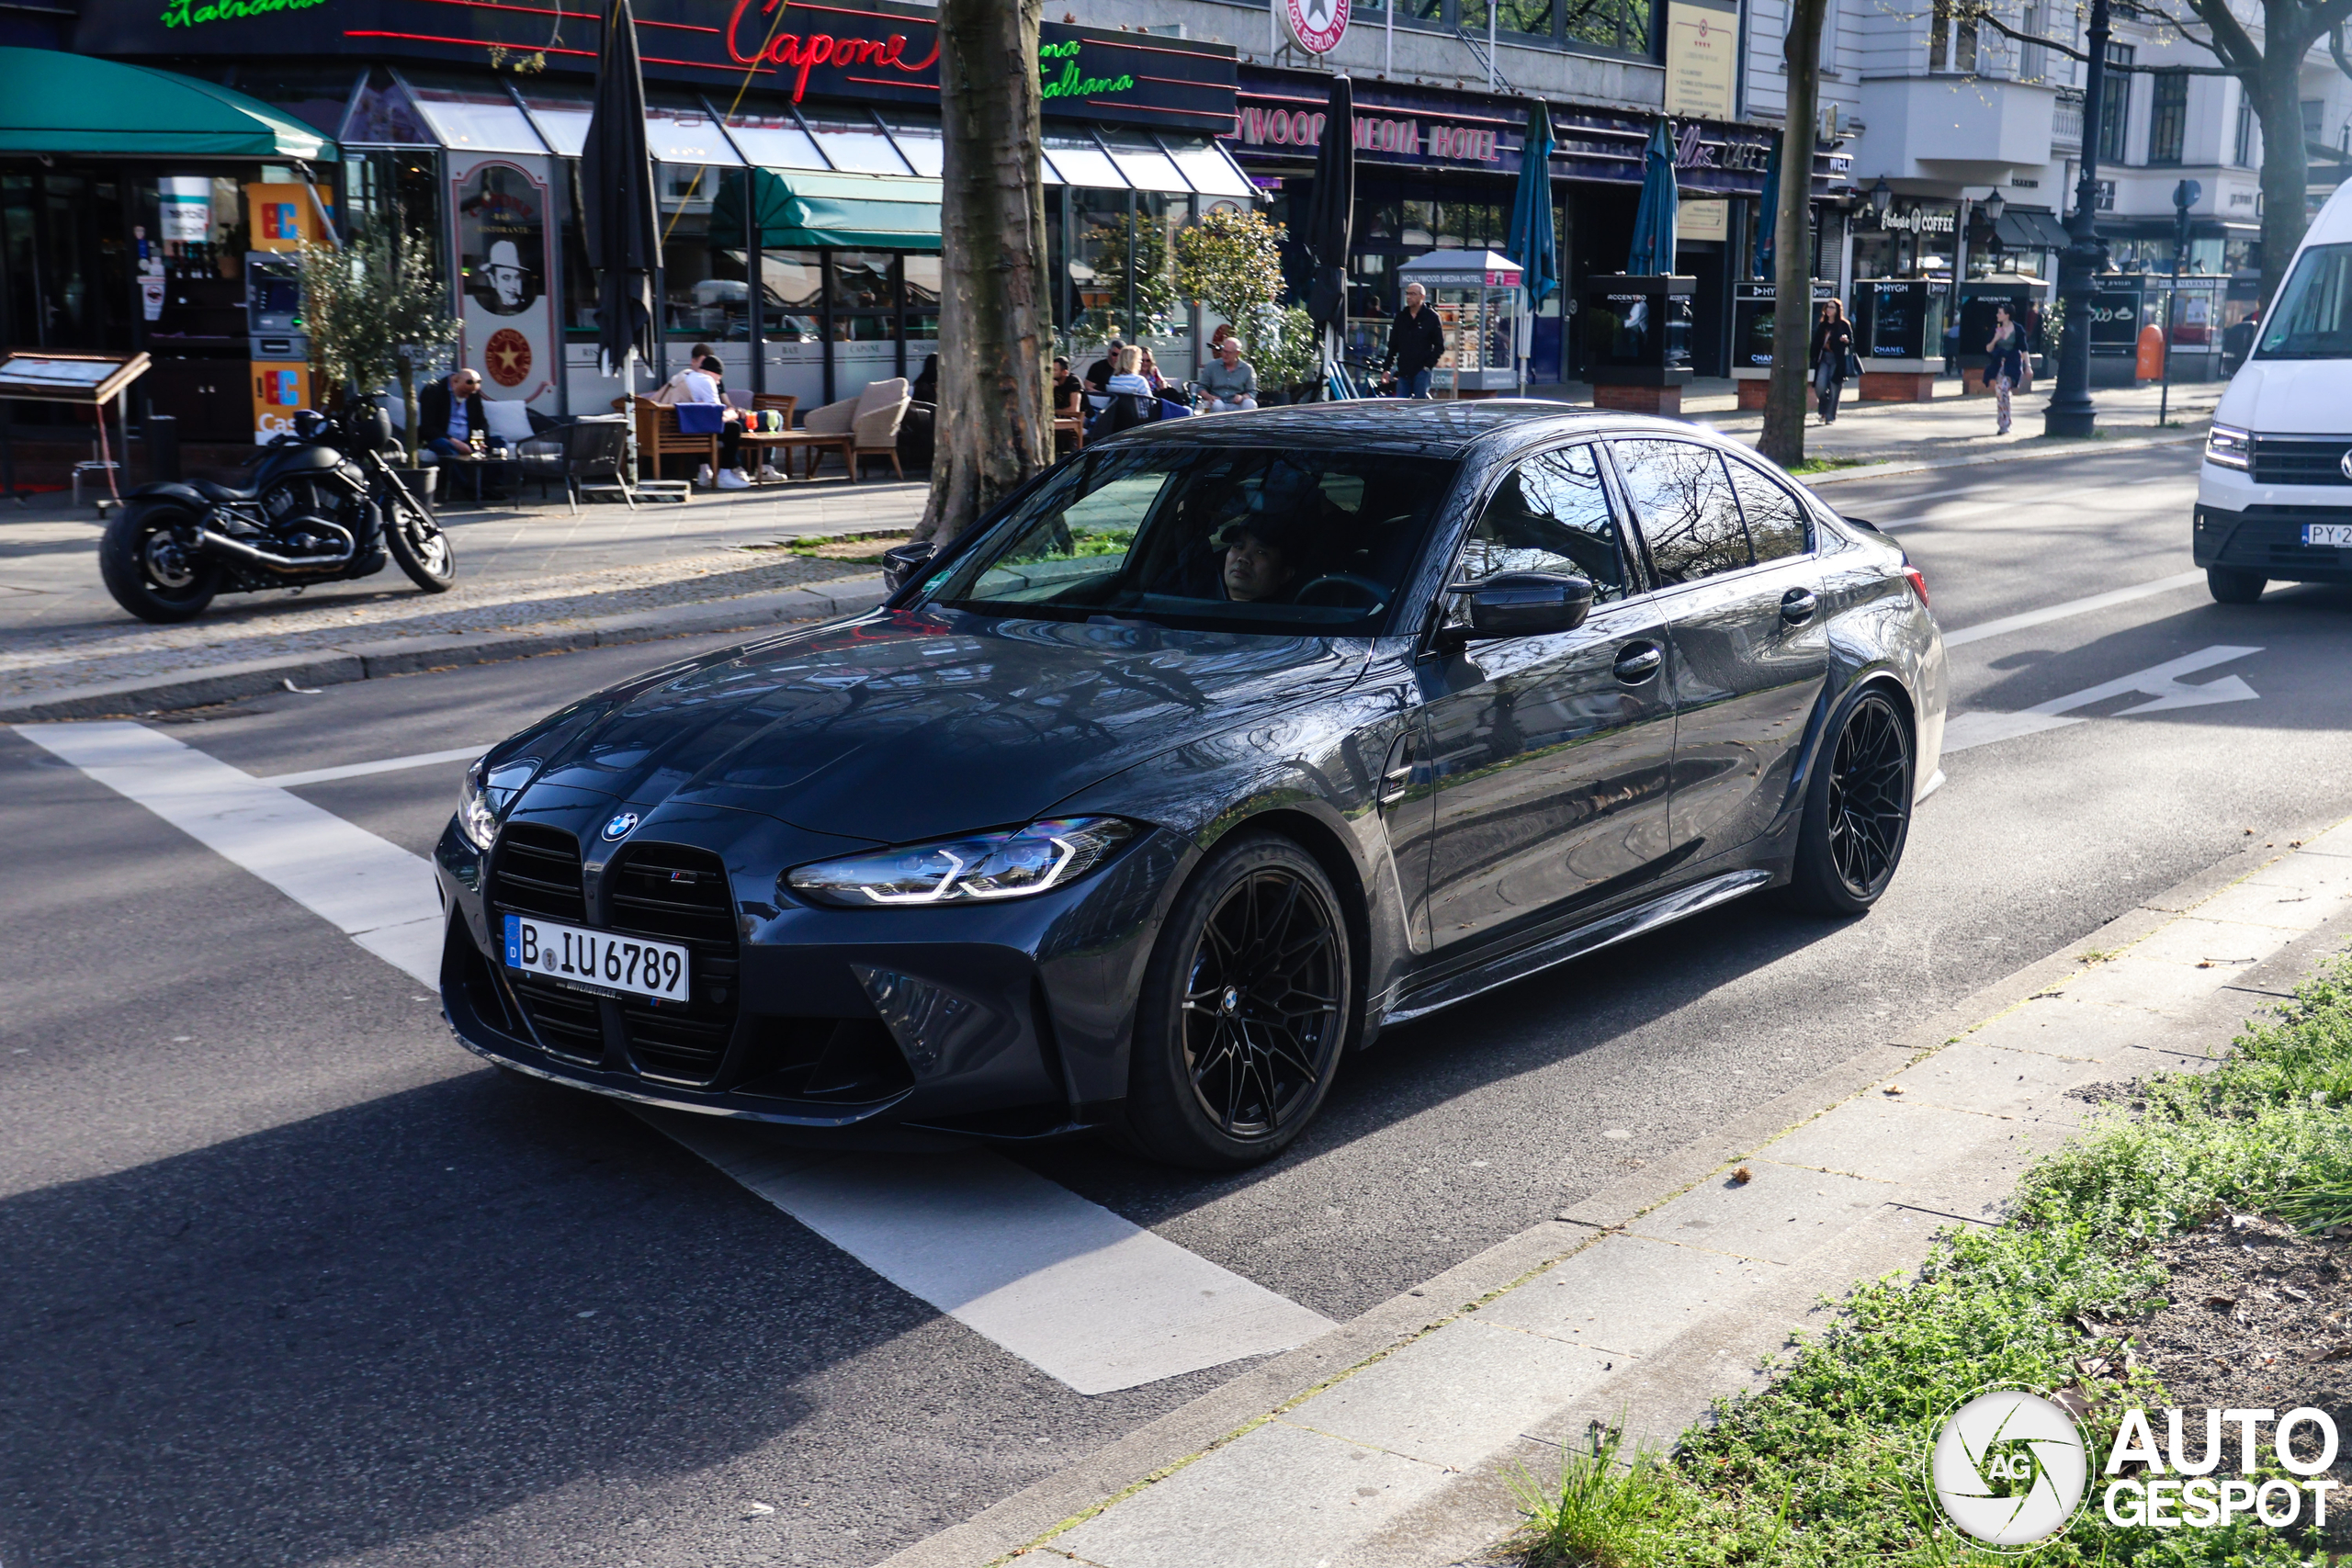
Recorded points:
1858,809
154,564
1246,1007
417,544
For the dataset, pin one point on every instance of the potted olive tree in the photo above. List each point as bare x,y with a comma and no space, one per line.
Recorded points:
1231,263
376,314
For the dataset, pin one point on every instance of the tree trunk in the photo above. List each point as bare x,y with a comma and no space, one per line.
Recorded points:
1783,439
995,419
2285,166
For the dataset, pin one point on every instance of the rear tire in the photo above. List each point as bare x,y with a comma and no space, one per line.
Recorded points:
150,565
1857,809
2230,587
1245,1008
418,545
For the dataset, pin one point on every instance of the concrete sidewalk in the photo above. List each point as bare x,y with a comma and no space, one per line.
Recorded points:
1389,1443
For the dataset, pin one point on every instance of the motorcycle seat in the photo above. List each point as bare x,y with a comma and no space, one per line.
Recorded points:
211,492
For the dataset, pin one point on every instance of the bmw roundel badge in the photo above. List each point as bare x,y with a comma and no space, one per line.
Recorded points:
619,826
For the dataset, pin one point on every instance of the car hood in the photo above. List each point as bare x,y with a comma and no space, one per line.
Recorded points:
917,724
2289,397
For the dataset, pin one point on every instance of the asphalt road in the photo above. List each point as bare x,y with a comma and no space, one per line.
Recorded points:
287,1277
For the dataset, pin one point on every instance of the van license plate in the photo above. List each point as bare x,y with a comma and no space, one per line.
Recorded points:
2338,534
602,962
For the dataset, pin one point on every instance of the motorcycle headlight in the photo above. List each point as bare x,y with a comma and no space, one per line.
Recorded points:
985,865
2229,448
483,798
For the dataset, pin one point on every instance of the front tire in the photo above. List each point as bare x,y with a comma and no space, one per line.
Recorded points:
1857,809
152,565
1245,1008
417,543
2230,587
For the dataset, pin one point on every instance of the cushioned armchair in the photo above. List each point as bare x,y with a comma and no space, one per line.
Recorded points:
874,414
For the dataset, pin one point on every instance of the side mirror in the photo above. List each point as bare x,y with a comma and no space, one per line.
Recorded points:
1523,603
904,562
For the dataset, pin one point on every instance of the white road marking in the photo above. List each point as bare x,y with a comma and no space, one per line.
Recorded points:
389,765
374,891
2049,613
1065,1284
2160,682
1069,1287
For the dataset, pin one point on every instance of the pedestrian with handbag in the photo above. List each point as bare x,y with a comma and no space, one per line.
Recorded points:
1831,358
2005,371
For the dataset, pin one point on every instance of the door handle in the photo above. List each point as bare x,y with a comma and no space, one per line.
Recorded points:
1637,661
1797,606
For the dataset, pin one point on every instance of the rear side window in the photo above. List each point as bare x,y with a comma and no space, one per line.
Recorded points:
1777,525
1687,509
1551,514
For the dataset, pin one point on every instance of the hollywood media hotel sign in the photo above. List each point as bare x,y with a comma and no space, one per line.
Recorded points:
1264,126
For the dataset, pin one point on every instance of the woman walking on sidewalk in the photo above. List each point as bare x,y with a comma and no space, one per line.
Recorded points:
1833,346
2005,371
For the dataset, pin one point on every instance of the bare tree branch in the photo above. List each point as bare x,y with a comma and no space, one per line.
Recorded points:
2068,50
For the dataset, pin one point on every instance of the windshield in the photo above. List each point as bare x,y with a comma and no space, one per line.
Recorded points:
1236,539
2313,316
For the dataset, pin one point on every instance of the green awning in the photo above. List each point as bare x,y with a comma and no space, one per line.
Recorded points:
800,211
55,102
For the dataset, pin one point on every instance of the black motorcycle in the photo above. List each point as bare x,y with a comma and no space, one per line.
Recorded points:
323,506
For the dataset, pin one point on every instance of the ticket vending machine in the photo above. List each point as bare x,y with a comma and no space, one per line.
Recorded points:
280,345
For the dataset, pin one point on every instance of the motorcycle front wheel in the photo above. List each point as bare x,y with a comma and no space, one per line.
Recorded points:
152,564
418,544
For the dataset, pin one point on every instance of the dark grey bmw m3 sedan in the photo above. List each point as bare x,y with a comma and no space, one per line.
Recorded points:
1221,746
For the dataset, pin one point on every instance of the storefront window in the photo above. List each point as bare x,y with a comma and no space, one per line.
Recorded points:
919,275
1078,160
1139,158
918,142
385,116
475,117
700,299
856,146
561,118
684,133
774,141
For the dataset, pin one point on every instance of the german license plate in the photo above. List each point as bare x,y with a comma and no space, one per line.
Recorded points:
604,963
2328,534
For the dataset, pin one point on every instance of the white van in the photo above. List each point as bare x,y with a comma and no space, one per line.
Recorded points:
2274,498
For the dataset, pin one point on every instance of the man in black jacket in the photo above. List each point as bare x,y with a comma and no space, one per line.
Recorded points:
448,415
1416,343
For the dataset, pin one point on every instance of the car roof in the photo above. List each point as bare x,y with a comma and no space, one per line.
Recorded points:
1424,427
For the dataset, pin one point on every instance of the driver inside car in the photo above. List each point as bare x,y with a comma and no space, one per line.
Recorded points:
1259,554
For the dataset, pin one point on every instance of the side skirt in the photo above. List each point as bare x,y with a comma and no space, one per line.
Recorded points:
1576,943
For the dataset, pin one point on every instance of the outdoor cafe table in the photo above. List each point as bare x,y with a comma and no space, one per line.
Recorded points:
814,442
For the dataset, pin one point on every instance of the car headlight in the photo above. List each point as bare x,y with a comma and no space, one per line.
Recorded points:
483,798
2226,447
985,865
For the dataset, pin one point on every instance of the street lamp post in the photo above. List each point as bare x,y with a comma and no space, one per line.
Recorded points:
2071,411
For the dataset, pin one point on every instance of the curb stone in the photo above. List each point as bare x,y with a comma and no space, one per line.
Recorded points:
1187,1488
405,656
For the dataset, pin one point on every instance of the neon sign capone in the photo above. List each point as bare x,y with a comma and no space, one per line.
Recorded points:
801,55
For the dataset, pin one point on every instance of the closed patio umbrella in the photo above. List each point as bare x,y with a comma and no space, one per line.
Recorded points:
1330,216
1534,245
1653,249
622,221
1768,209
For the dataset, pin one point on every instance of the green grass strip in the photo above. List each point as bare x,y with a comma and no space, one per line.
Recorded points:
1825,1466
